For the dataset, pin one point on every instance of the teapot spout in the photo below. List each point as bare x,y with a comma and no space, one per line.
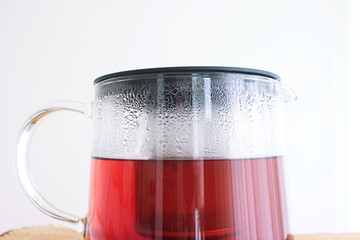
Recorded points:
285,93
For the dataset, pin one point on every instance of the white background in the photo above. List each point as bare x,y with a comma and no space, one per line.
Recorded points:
53,50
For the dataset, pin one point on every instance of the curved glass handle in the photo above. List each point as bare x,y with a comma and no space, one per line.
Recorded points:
24,177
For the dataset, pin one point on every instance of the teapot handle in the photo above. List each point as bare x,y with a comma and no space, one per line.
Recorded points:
21,158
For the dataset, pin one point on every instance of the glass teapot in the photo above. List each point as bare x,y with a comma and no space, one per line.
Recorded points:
179,153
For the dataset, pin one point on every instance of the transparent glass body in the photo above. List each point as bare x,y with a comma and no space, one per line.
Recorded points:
186,155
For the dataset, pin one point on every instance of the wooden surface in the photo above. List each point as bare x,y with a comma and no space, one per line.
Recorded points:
59,233
340,236
41,233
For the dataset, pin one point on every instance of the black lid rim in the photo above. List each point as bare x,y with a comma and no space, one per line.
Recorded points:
249,71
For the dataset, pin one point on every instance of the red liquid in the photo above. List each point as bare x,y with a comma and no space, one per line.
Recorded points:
224,199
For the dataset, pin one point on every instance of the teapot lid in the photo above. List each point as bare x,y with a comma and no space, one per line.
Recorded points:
248,71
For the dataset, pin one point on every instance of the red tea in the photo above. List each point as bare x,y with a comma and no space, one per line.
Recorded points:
228,199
